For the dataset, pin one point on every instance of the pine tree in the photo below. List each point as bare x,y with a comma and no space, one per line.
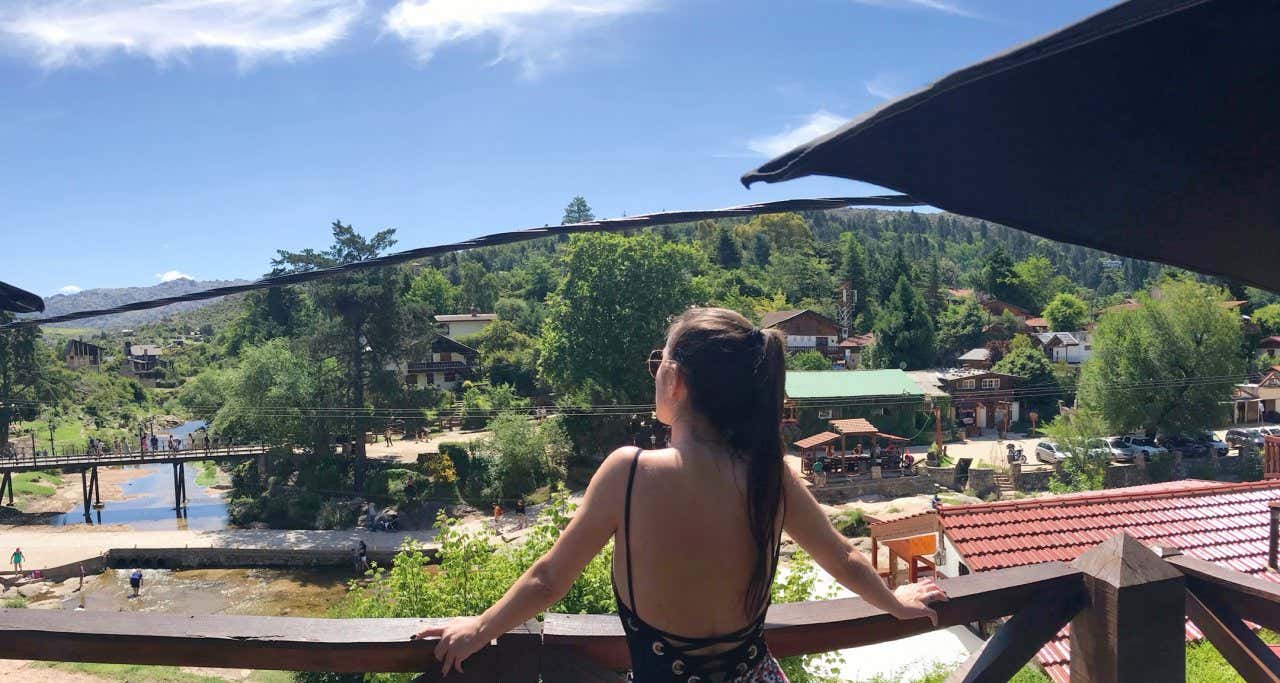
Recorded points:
728,255
578,211
933,287
762,250
853,270
904,332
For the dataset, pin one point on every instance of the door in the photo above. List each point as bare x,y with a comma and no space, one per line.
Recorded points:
982,416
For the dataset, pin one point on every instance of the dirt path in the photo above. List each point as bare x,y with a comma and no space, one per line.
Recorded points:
408,450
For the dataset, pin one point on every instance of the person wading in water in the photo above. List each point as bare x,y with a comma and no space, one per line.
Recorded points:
717,500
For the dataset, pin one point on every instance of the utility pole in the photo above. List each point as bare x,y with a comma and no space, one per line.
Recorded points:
844,312
357,382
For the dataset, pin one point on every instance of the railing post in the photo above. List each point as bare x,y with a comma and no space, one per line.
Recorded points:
1132,626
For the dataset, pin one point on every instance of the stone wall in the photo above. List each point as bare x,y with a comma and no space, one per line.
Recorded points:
1032,480
842,491
942,476
232,558
1120,475
982,482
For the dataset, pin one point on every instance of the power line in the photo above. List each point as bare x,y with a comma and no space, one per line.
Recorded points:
648,220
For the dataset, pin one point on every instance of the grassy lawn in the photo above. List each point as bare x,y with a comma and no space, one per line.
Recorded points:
69,431
134,673
39,484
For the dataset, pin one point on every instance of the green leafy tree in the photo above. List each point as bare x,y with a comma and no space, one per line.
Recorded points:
1078,436
432,290
728,254
260,397
1166,367
1035,281
578,211
29,375
808,360
478,289
960,328
523,455
1268,319
904,332
800,276
1034,371
1066,313
610,310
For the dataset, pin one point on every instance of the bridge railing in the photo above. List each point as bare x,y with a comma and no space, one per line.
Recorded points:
1125,603
127,457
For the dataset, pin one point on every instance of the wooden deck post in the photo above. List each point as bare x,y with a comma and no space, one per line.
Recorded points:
1132,626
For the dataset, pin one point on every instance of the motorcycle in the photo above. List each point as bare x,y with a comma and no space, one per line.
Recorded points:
1015,454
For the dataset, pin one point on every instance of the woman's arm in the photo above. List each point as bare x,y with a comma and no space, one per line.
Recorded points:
549,578
808,525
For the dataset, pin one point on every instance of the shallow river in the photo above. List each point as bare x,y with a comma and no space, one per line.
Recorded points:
263,592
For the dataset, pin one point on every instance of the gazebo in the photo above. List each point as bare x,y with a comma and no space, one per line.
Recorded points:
808,444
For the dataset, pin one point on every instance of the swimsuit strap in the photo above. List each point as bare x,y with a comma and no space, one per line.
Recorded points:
626,527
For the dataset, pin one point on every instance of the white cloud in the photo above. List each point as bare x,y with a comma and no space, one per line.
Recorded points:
818,123
170,275
59,33
886,87
535,34
69,289
933,5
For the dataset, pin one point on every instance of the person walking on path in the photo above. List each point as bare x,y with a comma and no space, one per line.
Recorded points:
362,556
386,436
155,443
698,526
135,582
16,559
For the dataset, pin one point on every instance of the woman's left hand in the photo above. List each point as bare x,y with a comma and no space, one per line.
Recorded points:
459,639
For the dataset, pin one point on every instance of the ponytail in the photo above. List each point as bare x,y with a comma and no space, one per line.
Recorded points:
736,375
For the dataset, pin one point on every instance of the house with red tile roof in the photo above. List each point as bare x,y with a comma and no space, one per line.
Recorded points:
1224,523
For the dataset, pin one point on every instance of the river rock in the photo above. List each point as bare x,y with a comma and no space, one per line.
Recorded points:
33,590
46,604
9,594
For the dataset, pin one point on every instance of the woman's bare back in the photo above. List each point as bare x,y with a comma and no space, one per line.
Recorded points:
691,544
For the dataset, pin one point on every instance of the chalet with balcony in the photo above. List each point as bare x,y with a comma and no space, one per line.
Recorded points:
854,347
978,358
82,354
448,365
982,399
806,331
465,324
142,362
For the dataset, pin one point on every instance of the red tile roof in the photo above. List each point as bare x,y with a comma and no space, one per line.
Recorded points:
1220,522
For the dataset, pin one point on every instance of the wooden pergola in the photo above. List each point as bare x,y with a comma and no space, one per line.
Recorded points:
809,443
854,426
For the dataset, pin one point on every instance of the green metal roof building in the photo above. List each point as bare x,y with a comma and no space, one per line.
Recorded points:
803,384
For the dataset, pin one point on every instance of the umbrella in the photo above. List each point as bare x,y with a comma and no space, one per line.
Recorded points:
1148,130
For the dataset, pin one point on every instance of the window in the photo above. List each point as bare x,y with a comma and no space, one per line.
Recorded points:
445,356
966,384
411,380
991,383
431,378
821,342
825,413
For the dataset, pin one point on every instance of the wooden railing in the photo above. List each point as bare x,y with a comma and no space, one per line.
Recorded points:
1125,604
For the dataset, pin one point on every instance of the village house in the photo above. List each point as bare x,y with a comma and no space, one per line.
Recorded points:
807,331
889,398
997,308
463,325
1255,402
981,399
1072,348
82,354
1036,325
854,347
979,358
448,365
142,362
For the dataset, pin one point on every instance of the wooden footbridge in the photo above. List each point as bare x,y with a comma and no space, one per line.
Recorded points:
87,465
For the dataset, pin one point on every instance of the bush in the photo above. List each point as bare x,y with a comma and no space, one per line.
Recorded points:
1160,467
522,456
1251,467
851,523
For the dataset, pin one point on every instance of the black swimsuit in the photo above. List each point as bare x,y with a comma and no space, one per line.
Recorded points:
658,656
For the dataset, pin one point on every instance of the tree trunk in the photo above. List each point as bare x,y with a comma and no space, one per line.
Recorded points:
357,381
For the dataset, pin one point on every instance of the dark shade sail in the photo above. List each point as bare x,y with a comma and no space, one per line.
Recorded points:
19,300
1150,130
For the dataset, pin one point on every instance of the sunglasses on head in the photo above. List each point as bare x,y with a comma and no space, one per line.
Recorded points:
656,359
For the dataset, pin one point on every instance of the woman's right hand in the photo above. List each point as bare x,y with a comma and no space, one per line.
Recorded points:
914,600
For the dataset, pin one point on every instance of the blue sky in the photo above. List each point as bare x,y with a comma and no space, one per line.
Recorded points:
146,139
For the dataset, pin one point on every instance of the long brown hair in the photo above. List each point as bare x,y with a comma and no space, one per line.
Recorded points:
736,374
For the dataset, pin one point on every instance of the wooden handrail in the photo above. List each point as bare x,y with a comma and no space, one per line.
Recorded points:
355,645
1251,597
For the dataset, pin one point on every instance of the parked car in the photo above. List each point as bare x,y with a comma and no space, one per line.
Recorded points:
1116,448
1239,437
1218,446
1189,448
1141,444
1049,452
